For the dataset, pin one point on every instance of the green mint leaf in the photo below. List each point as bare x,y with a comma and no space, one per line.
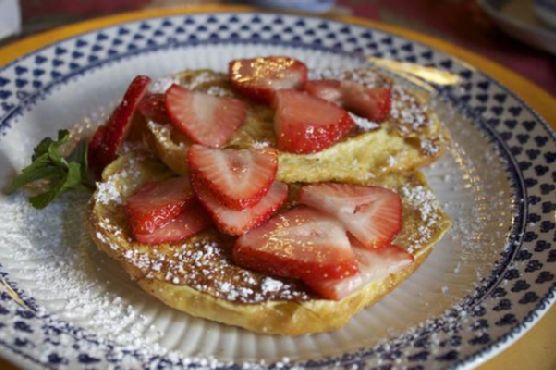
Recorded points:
68,181
39,169
28,176
47,143
42,148
54,148
64,174
79,155
73,177
42,200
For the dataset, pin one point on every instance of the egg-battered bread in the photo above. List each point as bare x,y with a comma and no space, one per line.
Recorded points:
411,138
197,275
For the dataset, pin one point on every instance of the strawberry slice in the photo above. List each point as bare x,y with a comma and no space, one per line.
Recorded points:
153,107
104,145
239,178
325,89
258,78
235,222
300,243
155,204
205,119
374,264
304,124
370,103
191,221
371,214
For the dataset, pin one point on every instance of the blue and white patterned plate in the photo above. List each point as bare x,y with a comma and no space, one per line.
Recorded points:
486,283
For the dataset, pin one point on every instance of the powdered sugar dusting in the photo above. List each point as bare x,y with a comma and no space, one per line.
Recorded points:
107,192
365,76
219,91
202,78
163,134
410,115
424,202
160,85
67,276
363,123
202,262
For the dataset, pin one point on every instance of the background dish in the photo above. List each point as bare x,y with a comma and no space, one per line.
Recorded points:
518,19
104,60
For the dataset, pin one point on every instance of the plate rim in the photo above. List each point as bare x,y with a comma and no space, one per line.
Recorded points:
465,362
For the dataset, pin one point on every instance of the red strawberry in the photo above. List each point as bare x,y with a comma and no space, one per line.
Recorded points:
325,89
304,124
374,264
239,178
299,243
371,214
258,78
108,138
205,119
155,204
234,222
370,103
153,107
191,221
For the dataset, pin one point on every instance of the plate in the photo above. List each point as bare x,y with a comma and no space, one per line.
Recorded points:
518,19
64,304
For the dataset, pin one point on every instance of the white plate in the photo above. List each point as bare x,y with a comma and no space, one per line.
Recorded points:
488,280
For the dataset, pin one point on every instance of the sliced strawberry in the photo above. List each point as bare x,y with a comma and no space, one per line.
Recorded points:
191,221
153,107
299,243
239,178
155,204
304,124
205,119
235,222
325,89
371,214
108,138
374,264
258,78
370,103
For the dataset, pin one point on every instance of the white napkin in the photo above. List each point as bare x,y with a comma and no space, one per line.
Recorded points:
10,18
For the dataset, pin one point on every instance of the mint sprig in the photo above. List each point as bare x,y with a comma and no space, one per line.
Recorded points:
62,174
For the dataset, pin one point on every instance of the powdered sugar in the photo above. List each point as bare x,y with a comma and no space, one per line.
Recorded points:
163,134
422,201
201,78
409,113
107,192
202,262
364,76
261,144
159,86
219,91
66,276
270,285
363,123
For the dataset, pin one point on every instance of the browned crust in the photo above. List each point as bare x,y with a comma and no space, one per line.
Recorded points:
271,317
277,317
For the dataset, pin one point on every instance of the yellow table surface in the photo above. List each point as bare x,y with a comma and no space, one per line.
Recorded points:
534,350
